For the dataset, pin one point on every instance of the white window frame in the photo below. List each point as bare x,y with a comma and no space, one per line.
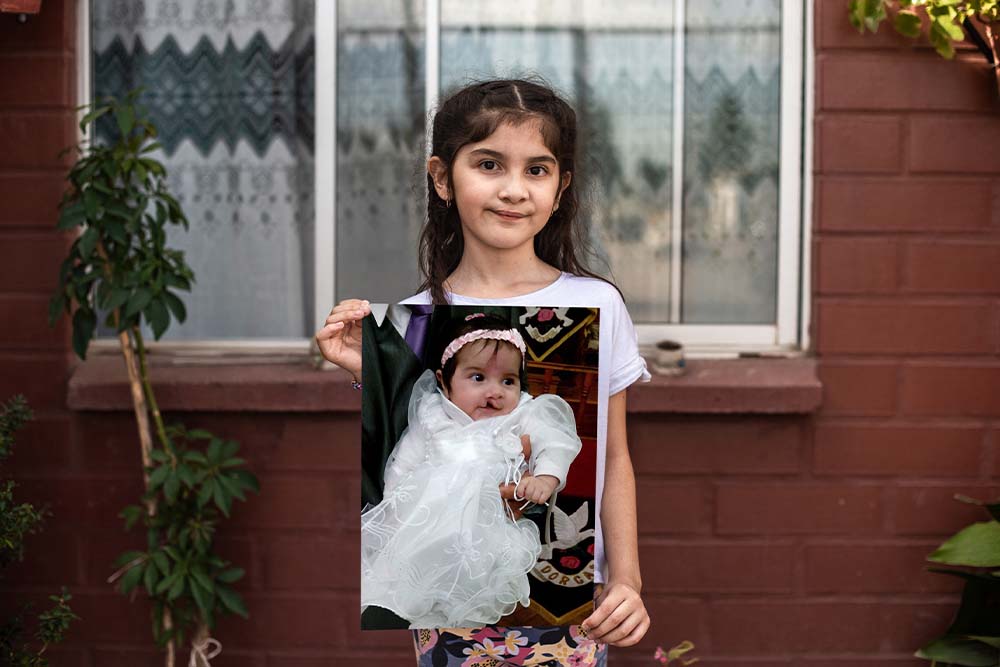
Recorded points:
788,337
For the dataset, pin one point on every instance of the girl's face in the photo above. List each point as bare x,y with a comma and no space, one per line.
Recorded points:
486,382
505,187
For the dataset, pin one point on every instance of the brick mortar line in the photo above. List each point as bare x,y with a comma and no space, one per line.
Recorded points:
789,543
964,178
988,236
21,171
912,300
904,421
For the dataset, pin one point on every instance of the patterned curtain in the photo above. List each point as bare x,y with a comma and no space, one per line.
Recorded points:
230,85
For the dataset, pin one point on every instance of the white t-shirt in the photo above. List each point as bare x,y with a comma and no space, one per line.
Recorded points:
619,363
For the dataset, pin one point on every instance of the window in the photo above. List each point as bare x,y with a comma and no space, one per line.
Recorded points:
691,113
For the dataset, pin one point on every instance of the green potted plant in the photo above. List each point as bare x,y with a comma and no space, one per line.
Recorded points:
120,266
18,520
973,555
948,22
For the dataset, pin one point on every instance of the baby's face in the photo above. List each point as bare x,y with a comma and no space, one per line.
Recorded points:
486,383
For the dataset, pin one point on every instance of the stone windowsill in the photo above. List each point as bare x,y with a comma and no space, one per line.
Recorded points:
719,386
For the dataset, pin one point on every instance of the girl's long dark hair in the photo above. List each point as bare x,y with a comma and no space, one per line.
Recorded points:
472,114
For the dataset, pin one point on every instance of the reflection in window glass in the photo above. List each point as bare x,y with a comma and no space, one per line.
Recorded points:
731,130
380,136
614,65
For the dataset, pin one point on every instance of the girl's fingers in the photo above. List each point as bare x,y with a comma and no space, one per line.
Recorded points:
624,628
329,330
350,304
347,315
614,612
636,635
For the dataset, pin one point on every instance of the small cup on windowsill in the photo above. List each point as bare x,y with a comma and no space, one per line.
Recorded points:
669,358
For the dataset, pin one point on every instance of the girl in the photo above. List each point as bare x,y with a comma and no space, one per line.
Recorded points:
502,229
440,549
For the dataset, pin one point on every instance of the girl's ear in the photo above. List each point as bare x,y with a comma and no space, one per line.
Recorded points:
439,174
565,179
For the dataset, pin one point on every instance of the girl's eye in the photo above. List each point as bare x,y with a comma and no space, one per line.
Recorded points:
478,377
509,382
488,165
537,170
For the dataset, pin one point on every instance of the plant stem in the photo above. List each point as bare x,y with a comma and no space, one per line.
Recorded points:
992,40
136,381
154,408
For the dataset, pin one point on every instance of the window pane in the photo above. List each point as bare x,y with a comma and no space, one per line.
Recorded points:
613,62
230,87
380,153
732,86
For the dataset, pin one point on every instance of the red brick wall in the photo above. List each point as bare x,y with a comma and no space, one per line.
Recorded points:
767,540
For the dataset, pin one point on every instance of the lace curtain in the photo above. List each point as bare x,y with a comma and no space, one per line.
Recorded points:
230,85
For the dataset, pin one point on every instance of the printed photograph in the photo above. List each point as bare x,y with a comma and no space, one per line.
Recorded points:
478,460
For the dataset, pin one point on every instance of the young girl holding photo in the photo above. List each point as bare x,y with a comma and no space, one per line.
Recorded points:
442,549
502,229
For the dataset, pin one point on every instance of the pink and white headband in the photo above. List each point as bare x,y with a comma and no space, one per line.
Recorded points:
512,336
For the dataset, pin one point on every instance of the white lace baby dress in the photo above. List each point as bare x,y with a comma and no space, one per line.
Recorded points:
441,550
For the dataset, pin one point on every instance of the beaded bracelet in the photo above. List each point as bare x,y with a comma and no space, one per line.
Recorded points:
355,384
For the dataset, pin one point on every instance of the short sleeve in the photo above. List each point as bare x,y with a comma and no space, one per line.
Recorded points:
627,365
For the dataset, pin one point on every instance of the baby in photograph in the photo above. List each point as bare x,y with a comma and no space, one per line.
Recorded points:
443,549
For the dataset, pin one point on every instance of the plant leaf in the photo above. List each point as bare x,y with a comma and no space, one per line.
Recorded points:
231,575
57,306
205,494
175,305
150,577
232,601
203,580
88,241
202,598
960,651
158,317
162,562
908,23
158,476
132,577
84,323
72,216
139,300
126,120
171,487
977,545
247,479
222,499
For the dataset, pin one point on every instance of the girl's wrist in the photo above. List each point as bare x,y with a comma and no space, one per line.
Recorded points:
634,582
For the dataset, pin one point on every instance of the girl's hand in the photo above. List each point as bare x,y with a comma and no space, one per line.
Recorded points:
537,488
339,340
619,617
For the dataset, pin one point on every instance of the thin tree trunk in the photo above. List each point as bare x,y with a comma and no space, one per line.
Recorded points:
135,384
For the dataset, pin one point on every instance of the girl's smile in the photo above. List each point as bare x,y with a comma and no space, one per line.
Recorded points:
505,187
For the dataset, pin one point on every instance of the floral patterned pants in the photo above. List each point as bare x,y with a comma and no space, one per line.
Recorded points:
508,647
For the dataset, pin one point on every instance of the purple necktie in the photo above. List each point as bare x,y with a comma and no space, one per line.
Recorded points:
416,328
